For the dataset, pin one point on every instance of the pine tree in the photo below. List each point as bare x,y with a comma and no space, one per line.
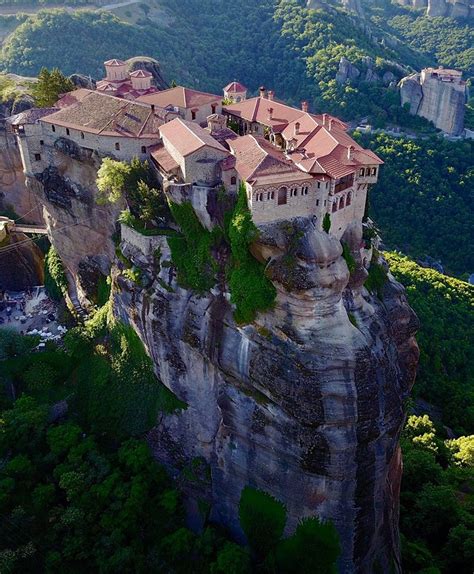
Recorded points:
50,86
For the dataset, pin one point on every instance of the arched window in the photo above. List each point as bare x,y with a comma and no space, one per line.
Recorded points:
238,99
143,149
213,108
68,132
53,128
341,203
82,135
349,198
282,196
233,180
117,146
193,114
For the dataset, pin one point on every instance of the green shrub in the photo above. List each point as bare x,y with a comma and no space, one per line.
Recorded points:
349,258
251,291
55,280
327,222
191,253
377,277
262,518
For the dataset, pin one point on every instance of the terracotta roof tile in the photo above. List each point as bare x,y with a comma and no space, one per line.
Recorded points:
99,113
188,137
181,98
235,88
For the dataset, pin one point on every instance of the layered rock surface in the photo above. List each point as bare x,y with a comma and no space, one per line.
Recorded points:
306,403
448,8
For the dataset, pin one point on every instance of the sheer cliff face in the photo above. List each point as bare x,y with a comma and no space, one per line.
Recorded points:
307,403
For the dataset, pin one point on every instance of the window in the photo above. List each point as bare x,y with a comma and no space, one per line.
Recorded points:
271,195
82,135
304,190
334,206
214,108
37,157
341,203
41,142
143,149
282,196
374,171
261,197
362,172
293,192
68,132
325,203
349,199
53,128
193,114
117,146
317,203
319,185
344,182
233,180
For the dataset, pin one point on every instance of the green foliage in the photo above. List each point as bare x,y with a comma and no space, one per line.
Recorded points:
422,202
435,510
262,518
462,450
444,306
377,278
55,280
112,178
50,85
348,257
313,549
251,291
192,252
327,222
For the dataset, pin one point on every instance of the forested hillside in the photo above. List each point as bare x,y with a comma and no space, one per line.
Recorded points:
423,202
445,307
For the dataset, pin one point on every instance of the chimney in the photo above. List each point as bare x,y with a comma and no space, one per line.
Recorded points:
325,117
270,113
263,92
271,95
350,152
297,128
330,124
304,106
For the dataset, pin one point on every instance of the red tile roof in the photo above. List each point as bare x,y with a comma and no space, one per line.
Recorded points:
101,114
163,158
257,110
188,137
259,162
235,88
181,98
114,62
141,74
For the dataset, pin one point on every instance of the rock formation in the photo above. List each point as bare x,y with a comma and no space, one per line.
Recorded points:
447,8
306,403
21,263
439,101
150,65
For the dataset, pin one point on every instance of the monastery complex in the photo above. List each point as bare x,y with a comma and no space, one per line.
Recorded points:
292,162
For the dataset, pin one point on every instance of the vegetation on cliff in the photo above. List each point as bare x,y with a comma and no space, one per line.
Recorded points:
251,291
55,280
50,85
423,201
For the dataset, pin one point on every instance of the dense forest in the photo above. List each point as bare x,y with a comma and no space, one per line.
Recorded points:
423,202
278,43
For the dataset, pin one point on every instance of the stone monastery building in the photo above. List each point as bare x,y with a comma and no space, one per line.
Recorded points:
292,163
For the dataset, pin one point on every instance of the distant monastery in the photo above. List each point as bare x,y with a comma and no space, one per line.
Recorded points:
292,162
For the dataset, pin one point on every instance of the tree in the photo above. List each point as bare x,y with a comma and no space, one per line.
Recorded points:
262,518
327,222
111,180
462,450
50,86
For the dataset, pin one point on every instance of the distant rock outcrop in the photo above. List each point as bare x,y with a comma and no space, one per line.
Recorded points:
439,96
22,265
446,8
